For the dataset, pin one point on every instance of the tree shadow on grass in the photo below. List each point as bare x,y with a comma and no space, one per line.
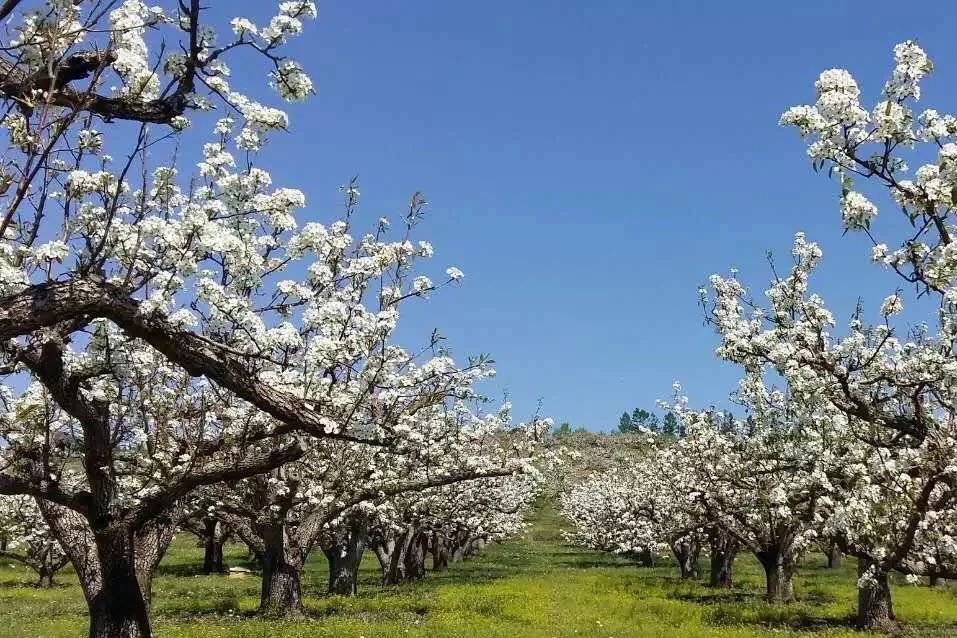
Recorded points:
792,617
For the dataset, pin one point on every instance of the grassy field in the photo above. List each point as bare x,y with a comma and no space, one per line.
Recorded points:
533,587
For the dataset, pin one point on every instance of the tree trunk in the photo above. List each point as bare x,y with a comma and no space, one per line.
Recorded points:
213,542
834,556
383,550
724,549
118,609
777,573
282,575
686,553
646,558
874,607
415,557
440,552
344,561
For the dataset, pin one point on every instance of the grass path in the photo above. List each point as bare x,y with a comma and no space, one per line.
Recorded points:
535,587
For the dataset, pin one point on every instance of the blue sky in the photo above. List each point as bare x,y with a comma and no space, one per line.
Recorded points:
588,165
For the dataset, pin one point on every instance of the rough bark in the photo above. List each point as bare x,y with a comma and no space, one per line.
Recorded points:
282,574
777,572
440,552
875,609
344,559
115,566
724,549
213,541
415,557
835,557
686,553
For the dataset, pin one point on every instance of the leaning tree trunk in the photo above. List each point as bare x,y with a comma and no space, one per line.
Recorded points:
281,592
440,552
686,553
724,549
874,606
344,560
777,572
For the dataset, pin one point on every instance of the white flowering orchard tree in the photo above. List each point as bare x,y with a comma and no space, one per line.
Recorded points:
892,390
27,539
175,328
644,507
320,501
764,480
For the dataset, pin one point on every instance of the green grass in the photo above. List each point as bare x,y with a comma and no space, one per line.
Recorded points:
535,587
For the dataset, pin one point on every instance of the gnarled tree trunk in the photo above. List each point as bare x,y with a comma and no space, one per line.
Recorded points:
344,560
281,573
724,549
115,567
874,606
214,535
686,553
834,556
415,556
440,552
778,571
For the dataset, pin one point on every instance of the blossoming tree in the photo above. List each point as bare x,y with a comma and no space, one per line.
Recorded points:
164,329
892,391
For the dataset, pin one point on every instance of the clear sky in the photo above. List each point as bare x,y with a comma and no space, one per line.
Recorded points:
588,164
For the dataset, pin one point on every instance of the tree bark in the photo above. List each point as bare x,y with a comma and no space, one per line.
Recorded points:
119,608
415,556
724,549
646,558
835,557
440,552
282,575
686,553
213,541
344,560
777,572
875,609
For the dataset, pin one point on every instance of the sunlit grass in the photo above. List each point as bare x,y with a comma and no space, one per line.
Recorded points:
535,587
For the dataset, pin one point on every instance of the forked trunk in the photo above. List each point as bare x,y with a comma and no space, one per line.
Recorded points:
415,557
213,541
875,609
